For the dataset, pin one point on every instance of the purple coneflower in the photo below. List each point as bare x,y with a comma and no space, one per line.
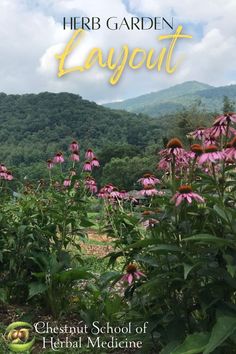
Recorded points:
149,191
230,151
90,184
115,193
174,147
50,164
148,180
3,168
108,188
219,129
185,192
89,155
123,194
102,194
75,156
164,164
196,149
210,140
87,167
58,158
67,182
226,118
94,162
211,154
74,146
199,133
9,176
132,274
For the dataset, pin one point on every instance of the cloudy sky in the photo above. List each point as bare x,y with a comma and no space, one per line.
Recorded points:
31,33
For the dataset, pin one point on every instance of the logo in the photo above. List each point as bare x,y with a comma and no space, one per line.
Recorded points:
19,337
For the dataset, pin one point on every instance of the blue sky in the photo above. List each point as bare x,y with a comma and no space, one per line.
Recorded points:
31,34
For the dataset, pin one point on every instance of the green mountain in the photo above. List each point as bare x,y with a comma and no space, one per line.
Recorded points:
177,98
33,127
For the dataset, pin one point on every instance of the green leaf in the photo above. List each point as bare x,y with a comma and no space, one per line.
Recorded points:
166,248
70,275
224,328
36,288
143,243
109,276
86,223
223,214
206,238
170,347
147,260
193,344
3,295
231,266
188,268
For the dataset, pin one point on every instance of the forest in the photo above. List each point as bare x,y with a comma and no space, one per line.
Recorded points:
35,127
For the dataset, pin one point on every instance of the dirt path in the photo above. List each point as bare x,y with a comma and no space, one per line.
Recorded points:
97,244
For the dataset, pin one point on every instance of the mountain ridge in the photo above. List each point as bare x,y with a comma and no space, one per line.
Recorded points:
177,98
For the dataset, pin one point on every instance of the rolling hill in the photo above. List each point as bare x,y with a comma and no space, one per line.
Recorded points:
177,98
33,127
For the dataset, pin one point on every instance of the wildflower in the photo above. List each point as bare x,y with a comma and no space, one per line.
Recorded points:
226,118
2,174
210,140
173,151
58,158
89,155
164,164
102,194
211,154
108,188
219,129
94,162
132,274
230,151
149,179
3,168
149,191
123,194
174,143
87,167
50,164
200,133
9,176
90,184
105,191
74,146
115,193
197,149
67,182
75,156
185,192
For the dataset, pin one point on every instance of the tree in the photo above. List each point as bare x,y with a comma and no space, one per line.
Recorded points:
228,105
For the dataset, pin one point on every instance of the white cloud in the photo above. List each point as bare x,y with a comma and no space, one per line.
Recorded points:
31,34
